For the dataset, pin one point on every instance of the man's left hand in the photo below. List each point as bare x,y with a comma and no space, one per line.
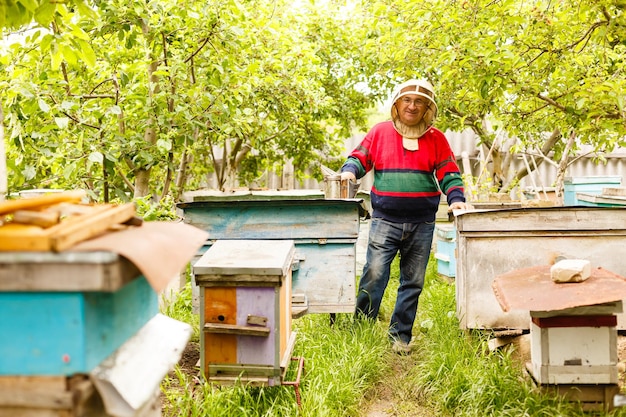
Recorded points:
458,205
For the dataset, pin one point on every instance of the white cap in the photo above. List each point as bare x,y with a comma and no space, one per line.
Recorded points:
411,134
419,87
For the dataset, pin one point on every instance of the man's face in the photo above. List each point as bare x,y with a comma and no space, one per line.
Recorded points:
411,108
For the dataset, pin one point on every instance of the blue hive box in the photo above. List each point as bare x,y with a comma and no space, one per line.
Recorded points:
588,185
62,314
446,249
324,231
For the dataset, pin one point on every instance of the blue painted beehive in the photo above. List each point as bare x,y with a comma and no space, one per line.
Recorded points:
446,249
324,231
66,313
588,185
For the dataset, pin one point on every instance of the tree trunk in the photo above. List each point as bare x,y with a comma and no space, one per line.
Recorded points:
563,164
142,175
142,182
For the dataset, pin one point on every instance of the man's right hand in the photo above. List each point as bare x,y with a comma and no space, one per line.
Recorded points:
347,175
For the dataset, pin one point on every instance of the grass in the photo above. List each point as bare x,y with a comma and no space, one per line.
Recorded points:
349,365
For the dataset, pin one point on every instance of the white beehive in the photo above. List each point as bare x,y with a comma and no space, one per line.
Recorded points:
575,346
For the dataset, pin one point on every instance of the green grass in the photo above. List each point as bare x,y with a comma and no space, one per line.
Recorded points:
342,362
348,364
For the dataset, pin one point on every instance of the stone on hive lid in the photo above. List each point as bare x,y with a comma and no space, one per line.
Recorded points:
570,270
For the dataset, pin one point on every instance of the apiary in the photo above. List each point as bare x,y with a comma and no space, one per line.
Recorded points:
245,310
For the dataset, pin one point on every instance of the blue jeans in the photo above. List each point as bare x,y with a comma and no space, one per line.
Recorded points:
386,239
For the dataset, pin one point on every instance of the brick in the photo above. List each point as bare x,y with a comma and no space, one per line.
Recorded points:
570,270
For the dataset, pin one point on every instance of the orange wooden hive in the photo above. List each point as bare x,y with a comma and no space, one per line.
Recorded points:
245,310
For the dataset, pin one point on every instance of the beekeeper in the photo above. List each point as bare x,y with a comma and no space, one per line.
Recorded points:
412,163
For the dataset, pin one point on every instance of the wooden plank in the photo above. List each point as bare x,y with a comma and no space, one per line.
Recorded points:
220,306
23,237
259,351
602,200
85,227
70,275
213,280
248,381
10,206
255,320
34,392
592,397
244,370
236,329
71,230
34,412
56,383
286,359
614,191
284,313
36,218
557,219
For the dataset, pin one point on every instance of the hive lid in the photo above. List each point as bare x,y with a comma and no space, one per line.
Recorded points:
533,289
246,257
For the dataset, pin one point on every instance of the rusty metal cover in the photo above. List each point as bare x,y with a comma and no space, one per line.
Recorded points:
533,289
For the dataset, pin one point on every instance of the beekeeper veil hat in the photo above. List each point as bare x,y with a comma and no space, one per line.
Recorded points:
410,134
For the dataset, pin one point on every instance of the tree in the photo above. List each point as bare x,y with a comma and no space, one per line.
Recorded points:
146,90
539,71
15,15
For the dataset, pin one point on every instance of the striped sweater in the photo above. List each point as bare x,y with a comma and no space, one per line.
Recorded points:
407,184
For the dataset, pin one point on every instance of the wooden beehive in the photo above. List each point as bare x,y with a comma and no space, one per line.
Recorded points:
573,330
446,249
325,233
63,313
245,310
575,346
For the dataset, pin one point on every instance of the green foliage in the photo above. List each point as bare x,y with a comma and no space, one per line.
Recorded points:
149,210
120,102
119,97
525,68
17,13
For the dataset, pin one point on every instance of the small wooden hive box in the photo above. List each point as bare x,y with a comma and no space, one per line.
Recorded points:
576,345
573,330
245,310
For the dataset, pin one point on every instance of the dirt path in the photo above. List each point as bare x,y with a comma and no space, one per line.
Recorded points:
390,403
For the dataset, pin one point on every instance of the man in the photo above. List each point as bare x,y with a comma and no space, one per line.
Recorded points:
412,162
